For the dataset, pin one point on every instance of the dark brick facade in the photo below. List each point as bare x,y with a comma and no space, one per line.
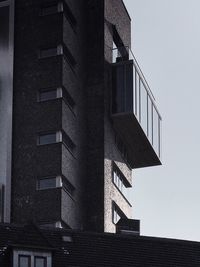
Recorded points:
31,73
85,72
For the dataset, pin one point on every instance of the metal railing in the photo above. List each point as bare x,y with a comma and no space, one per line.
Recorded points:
144,107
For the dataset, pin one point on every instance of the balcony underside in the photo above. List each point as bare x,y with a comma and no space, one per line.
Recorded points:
140,151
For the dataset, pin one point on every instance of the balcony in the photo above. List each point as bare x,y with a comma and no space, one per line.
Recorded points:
134,113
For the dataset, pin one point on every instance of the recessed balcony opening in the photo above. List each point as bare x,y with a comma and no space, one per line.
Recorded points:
134,112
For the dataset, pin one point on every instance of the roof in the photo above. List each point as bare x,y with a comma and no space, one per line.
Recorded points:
96,249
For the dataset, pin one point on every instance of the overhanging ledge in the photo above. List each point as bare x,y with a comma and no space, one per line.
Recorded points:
140,151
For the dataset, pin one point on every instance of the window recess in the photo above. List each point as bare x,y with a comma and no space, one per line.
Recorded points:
52,51
120,181
56,137
49,138
59,181
49,182
51,8
46,94
117,214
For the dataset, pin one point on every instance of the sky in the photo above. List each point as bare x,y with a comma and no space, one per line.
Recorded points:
166,43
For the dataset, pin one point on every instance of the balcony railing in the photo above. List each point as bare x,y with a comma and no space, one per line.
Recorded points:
133,95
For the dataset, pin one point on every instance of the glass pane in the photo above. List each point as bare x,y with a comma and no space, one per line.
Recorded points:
48,95
47,139
134,93
137,84
49,52
155,131
159,129
40,262
47,183
129,88
116,216
120,88
150,120
24,261
143,93
47,10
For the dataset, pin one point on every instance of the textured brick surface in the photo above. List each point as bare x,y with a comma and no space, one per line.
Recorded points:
30,161
115,16
88,124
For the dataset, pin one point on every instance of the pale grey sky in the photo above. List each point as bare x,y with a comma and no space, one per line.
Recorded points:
166,42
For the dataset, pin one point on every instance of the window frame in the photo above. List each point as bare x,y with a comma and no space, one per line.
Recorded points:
32,254
42,50
120,182
24,256
58,8
57,90
60,92
118,211
58,137
58,182
40,257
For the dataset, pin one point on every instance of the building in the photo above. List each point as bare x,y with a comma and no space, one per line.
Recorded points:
77,114
61,247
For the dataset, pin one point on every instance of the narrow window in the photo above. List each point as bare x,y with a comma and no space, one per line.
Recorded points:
47,94
117,214
24,261
120,181
49,138
51,8
47,183
40,262
51,51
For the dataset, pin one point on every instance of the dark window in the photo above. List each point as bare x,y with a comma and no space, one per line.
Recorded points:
117,214
120,181
24,261
51,8
50,51
47,94
47,183
40,262
67,141
45,139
